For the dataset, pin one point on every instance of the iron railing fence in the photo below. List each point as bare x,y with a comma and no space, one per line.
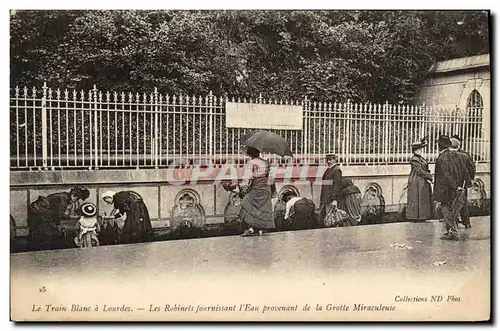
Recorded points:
54,129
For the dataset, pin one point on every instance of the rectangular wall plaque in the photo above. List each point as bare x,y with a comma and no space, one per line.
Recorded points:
263,116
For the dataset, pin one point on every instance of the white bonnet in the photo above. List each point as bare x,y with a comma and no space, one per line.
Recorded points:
109,194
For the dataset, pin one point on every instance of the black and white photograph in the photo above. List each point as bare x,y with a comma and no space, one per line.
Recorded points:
250,165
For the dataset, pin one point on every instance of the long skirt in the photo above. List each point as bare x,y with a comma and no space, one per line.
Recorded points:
109,235
44,235
351,204
137,227
256,208
419,204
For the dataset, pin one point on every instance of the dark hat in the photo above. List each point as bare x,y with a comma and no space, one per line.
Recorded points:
288,193
421,144
89,209
252,151
457,137
444,140
331,156
80,192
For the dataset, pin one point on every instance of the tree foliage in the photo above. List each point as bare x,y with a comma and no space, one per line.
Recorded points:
326,55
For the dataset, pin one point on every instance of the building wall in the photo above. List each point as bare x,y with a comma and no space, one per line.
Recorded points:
453,88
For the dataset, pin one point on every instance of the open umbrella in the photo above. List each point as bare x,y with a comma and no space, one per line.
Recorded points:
267,142
459,201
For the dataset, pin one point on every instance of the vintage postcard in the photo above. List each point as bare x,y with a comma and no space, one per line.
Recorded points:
250,165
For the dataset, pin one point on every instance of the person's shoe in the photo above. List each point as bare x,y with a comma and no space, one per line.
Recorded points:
248,232
77,242
449,237
468,226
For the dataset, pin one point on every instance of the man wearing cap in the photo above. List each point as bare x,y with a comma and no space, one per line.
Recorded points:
456,143
137,227
450,174
331,189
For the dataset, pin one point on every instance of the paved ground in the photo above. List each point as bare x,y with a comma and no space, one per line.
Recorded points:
319,250
351,258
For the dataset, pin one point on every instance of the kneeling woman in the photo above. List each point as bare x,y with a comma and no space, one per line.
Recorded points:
299,213
46,213
137,227
256,208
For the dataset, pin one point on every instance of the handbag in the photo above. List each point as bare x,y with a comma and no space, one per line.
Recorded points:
336,217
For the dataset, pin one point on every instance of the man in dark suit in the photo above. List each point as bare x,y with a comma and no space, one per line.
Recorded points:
456,143
330,186
450,175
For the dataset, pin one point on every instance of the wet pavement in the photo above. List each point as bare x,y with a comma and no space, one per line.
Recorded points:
307,253
369,265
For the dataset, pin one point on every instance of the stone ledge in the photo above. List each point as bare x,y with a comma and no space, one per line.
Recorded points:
194,175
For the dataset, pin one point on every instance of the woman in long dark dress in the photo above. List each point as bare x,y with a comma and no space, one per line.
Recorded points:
137,227
256,208
46,213
350,201
419,203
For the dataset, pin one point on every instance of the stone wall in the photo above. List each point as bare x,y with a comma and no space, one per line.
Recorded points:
453,88
205,202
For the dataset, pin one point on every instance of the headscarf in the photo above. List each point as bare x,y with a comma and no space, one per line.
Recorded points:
108,194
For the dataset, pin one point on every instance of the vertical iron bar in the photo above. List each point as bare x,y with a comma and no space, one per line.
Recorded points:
34,127
26,125
59,127
44,126
156,128
66,101
96,131
51,134
17,125
108,103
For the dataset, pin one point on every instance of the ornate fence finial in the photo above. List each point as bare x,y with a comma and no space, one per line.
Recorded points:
44,88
